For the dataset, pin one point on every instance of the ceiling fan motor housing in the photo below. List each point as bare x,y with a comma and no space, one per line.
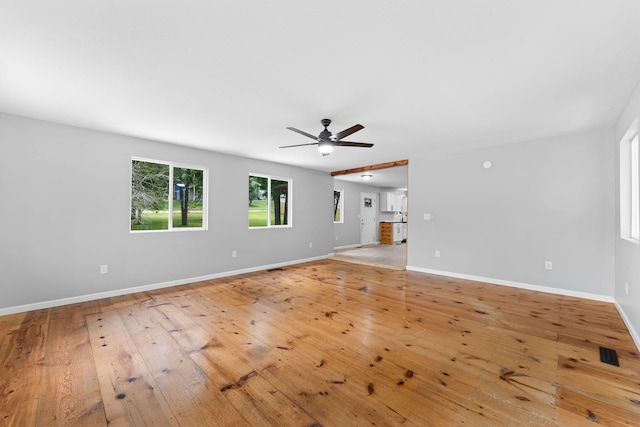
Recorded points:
325,135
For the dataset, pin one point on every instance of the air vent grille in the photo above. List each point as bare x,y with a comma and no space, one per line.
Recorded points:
609,356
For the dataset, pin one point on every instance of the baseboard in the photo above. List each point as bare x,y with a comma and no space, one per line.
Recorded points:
150,287
547,289
357,245
630,328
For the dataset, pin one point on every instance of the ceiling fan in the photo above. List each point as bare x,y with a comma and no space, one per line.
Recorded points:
326,141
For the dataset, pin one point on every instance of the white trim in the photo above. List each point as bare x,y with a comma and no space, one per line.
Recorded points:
634,334
547,289
629,195
143,288
357,245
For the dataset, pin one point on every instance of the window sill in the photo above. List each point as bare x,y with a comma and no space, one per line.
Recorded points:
634,241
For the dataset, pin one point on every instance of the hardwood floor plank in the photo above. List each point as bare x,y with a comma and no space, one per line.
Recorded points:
592,381
265,353
543,370
193,398
586,351
594,410
9,324
321,343
70,385
291,339
256,399
130,393
6,324
21,358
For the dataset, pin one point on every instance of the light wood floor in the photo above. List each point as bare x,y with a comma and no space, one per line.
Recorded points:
325,343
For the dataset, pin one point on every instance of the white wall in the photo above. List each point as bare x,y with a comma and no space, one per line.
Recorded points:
550,200
627,253
64,210
348,233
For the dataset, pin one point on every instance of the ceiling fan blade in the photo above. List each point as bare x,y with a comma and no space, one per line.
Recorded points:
301,132
353,144
355,128
298,145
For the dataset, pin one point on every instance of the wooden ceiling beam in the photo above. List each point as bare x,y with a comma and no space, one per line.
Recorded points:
371,167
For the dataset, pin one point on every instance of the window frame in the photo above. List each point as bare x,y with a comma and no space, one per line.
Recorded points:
630,185
341,205
270,178
172,166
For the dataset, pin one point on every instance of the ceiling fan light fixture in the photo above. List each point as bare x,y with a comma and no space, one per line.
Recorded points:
325,147
326,140
366,176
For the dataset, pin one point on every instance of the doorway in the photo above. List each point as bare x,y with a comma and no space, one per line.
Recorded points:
368,215
359,236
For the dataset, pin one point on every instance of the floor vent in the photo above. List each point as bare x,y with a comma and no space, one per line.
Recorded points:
609,356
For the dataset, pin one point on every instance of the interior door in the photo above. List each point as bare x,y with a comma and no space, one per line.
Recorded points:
368,214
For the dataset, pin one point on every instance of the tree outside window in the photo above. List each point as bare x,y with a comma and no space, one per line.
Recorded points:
165,196
269,201
187,196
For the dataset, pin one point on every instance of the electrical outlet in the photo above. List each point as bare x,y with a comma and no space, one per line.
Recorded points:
428,217
437,253
626,288
234,254
104,269
336,238
548,265
310,244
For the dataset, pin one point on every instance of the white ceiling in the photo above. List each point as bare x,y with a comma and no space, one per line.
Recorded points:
423,77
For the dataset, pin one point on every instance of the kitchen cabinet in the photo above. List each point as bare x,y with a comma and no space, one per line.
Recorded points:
386,233
397,233
390,233
392,202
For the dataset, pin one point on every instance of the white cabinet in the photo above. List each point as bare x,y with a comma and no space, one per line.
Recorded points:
392,202
387,202
397,232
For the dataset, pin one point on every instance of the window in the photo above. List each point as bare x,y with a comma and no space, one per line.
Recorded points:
338,203
269,201
167,196
629,186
